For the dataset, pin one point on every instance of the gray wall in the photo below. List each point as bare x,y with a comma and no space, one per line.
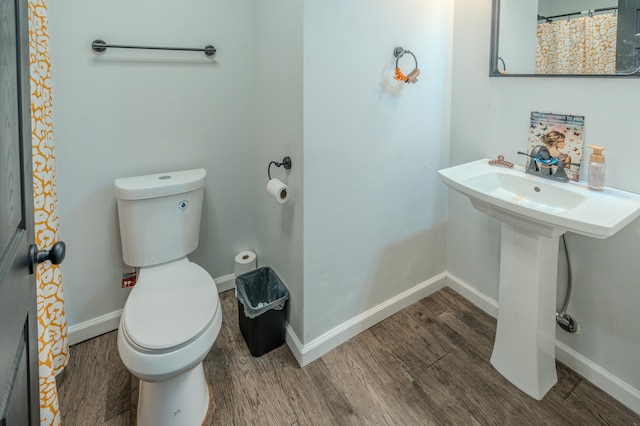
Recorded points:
375,212
131,112
277,132
372,146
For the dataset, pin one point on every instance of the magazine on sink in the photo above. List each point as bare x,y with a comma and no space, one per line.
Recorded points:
563,135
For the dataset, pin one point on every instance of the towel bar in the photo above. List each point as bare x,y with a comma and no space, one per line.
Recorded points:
100,46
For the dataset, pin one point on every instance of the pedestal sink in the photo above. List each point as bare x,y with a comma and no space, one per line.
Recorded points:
534,212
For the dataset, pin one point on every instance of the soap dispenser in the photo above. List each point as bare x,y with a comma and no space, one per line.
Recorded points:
595,176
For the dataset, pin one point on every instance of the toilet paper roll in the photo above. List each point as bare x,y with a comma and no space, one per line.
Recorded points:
245,262
278,190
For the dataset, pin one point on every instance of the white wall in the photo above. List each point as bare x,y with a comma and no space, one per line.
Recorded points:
375,212
489,117
277,132
518,36
135,112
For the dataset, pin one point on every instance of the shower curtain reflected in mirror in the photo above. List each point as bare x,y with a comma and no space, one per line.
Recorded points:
584,45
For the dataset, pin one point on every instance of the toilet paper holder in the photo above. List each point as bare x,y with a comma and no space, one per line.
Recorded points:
286,163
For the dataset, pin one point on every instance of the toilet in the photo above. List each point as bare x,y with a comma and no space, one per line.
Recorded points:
172,315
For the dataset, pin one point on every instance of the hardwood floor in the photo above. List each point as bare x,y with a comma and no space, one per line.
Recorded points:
426,365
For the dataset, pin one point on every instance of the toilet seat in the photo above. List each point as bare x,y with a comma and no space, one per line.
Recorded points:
170,305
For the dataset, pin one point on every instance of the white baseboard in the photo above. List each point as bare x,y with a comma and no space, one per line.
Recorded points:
609,383
227,282
108,322
94,327
296,347
474,296
304,354
613,385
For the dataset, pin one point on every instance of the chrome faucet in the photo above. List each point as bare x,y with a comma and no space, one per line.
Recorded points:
541,164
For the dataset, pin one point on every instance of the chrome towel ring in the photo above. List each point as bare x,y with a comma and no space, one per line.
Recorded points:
412,77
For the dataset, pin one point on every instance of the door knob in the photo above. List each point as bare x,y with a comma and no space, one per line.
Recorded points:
55,255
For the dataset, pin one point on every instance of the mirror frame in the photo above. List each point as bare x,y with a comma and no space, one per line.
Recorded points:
493,54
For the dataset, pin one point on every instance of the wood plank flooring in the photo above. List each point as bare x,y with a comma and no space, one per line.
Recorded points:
426,365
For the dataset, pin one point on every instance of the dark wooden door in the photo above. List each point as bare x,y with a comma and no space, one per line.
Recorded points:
18,327
628,44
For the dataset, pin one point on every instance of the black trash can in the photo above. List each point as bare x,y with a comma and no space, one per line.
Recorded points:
262,303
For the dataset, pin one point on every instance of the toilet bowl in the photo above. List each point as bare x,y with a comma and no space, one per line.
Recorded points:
172,316
169,324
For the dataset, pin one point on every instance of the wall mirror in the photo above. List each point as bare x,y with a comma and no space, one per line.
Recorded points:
592,38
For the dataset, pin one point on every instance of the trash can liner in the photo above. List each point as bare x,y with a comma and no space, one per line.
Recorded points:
261,290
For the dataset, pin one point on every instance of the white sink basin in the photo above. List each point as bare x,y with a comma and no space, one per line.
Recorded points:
534,212
541,205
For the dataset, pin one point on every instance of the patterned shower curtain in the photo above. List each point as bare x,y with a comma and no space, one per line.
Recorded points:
585,45
53,347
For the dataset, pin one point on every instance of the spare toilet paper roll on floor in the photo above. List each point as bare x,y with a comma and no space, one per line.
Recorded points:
245,262
278,190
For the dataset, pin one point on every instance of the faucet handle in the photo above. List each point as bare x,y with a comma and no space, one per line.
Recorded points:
532,167
560,174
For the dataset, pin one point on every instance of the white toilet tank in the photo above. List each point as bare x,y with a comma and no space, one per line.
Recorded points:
159,215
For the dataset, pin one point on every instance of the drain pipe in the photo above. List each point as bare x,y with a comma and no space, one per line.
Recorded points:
564,320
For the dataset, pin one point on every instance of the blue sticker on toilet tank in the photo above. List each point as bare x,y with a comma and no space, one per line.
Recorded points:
183,206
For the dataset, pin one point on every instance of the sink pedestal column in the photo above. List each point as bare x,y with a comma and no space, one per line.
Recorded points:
524,349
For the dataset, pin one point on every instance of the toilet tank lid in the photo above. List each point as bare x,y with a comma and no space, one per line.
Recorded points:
159,184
